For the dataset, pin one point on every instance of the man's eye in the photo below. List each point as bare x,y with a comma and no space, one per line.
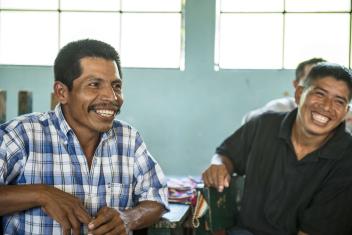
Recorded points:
93,84
116,87
340,103
319,93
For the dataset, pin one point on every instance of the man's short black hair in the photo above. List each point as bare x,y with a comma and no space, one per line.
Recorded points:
67,66
326,69
301,66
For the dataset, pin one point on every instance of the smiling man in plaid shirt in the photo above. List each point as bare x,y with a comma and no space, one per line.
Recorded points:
78,169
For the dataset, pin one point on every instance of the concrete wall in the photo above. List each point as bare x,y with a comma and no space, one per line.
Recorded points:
182,115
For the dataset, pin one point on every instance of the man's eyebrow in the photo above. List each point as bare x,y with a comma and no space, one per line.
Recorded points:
94,78
117,80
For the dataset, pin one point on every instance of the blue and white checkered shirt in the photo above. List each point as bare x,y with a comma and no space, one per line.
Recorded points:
41,148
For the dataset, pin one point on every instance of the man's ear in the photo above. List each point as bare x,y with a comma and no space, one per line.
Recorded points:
298,94
61,92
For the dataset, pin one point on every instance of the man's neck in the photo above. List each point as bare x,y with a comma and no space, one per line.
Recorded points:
89,143
304,142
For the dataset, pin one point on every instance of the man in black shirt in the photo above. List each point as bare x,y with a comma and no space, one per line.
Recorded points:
298,165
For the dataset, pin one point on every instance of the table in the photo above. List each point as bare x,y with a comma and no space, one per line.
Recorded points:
171,222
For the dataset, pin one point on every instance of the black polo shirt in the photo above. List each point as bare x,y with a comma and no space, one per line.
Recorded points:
283,195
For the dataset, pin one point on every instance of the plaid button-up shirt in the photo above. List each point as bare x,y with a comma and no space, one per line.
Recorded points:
41,148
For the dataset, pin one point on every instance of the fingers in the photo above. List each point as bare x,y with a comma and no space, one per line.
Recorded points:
62,219
216,176
75,224
66,231
108,221
222,178
109,228
103,216
66,209
82,215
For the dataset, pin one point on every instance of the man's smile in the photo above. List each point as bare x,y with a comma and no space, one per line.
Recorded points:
319,118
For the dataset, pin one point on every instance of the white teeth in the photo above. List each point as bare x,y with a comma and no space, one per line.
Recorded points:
320,118
105,112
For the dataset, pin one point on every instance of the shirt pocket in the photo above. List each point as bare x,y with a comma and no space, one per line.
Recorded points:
118,195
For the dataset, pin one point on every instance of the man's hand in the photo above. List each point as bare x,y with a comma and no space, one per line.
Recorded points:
217,176
108,221
66,209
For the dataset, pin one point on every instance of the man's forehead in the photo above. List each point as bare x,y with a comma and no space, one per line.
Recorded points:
90,65
330,83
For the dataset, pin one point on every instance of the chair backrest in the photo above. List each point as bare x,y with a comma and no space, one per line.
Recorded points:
223,207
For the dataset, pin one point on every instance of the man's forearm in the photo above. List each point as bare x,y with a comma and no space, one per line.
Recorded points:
19,197
302,233
143,215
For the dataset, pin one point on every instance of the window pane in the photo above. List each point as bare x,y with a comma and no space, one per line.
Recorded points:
151,40
22,37
318,5
100,26
316,35
250,41
30,4
252,5
96,5
151,5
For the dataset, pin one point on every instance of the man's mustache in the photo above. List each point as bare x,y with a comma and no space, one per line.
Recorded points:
110,106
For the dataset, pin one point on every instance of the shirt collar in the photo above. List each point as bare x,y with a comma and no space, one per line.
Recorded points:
332,149
60,121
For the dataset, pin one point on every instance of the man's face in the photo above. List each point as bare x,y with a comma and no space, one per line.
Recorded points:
322,106
95,98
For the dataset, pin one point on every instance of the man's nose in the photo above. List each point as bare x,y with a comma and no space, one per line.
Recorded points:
109,94
327,104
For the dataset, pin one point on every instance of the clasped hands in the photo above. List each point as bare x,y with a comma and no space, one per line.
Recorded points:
70,213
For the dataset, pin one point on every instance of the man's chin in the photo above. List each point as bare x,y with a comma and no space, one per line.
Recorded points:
104,128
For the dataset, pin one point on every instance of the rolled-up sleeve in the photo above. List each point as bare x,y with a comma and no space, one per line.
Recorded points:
11,160
151,183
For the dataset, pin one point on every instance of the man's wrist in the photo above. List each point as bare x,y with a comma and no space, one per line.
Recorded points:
217,160
125,220
41,195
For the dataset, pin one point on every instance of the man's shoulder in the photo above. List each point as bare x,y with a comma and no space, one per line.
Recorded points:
31,120
270,118
117,123
119,126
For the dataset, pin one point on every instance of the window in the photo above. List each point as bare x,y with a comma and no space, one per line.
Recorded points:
146,33
276,34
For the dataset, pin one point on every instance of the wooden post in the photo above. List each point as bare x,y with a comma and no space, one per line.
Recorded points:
24,102
2,106
54,101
